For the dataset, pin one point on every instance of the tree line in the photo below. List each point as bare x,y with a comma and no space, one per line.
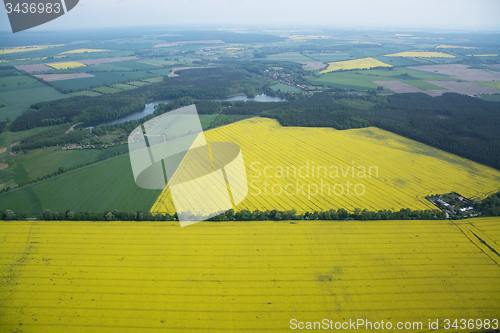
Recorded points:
231,215
56,137
489,206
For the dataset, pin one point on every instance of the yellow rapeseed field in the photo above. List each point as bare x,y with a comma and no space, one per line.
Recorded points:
354,64
138,277
26,48
317,169
84,51
65,65
419,54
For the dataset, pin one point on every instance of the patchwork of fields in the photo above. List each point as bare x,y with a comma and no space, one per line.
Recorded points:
311,169
364,79
229,277
421,54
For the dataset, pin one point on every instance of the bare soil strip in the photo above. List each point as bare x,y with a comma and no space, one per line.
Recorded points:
59,77
398,87
90,62
34,68
72,128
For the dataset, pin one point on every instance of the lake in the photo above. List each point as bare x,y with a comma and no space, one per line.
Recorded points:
150,108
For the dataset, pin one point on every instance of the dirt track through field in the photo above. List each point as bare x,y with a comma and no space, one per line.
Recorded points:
72,128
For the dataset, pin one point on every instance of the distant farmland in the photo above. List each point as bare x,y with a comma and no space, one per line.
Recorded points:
421,54
100,78
251,277
364,79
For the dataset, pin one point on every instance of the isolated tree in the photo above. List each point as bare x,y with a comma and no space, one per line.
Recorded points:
108,216
9,215
47,215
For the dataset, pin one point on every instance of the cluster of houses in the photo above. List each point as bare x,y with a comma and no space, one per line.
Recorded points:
451,208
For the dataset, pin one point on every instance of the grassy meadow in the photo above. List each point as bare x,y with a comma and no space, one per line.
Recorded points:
19,92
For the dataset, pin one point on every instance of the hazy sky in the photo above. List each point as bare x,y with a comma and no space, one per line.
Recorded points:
422,14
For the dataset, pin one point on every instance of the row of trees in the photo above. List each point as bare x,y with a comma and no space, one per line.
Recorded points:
489,206
231,215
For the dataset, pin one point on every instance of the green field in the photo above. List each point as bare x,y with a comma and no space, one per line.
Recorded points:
289,56
103,67
107,90
89,93
361,80
154,79
397,61
328,57
158,62
136,65
19,97
84,156
493,84
41,162
100,79
284,88
206,120
123,86
104,186
12,137
491,98
16,80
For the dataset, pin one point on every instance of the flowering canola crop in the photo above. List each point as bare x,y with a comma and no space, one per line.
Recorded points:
318,169
365,63
138,277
